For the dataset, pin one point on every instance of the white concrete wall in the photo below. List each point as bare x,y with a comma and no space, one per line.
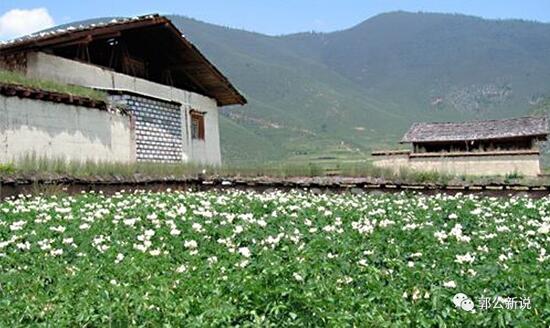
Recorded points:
392,162
524,164
59,131
527,165
48,67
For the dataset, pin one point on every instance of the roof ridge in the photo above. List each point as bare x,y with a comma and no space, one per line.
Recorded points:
71,28
477,121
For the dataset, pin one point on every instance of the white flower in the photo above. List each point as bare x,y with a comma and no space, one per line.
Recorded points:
466,258
244,251
129,222
212,259
84,226
181,210
503,229
56,252
544,228
155,252
477,211
24,246
449,284
440,235
298,277
415,294
238,229
18,225
243,263
453,216
59,229
67,241
181,269
483,249
63,210
197,227
119,258
175,232
363,262
191,244
542,254
140,247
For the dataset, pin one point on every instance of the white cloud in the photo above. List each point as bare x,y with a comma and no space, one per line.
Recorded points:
18,22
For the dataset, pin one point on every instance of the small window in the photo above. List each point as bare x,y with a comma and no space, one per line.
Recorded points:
197,125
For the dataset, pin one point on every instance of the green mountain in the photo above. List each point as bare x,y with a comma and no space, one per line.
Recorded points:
341,94
314,96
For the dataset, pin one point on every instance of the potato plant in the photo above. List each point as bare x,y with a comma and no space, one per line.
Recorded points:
274,259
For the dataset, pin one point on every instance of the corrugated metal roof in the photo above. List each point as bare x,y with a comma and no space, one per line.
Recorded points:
54,33
198,67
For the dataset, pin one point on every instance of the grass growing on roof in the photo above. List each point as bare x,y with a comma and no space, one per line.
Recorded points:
19,79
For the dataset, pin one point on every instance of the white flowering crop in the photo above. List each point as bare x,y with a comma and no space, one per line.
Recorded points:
274,259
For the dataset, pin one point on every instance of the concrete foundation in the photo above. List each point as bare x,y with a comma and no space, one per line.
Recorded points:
48,67
526,163
60,131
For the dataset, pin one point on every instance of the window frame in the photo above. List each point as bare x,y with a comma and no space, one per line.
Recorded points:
198,119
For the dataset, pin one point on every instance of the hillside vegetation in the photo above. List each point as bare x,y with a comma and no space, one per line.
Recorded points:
339,95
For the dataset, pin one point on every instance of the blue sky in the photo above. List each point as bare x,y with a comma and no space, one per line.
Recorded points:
265,16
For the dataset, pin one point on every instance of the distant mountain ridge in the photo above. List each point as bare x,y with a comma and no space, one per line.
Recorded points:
341,94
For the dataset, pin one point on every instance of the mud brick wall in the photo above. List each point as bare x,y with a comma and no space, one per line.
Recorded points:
14,62
158,128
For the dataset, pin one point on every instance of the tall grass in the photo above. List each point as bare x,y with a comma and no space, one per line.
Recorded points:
38,165
403,174
20,79
41,166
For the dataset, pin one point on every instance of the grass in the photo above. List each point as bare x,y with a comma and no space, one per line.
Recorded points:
35,166
245,259
19,79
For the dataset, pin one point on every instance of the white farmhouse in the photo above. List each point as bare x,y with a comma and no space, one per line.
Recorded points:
169,90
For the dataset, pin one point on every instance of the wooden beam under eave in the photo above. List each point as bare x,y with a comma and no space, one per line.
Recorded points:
85,40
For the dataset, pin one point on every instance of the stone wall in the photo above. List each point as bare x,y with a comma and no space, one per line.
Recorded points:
44,66
61,131
157,126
